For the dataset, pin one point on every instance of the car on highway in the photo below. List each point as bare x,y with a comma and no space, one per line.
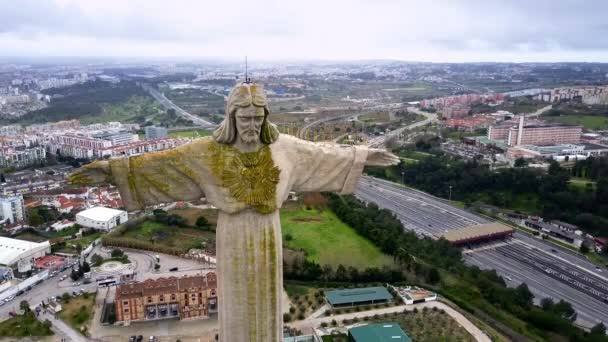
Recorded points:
152,339
173,269
20,292
28,288
139,338
553,250
132,338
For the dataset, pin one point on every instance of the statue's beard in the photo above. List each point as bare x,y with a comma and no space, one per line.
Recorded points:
250,137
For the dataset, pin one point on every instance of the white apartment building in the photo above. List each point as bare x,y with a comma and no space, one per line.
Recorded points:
12,209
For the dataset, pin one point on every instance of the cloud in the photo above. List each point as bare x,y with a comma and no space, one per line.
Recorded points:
314,29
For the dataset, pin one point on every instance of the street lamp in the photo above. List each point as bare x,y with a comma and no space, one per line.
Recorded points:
403,177
450,193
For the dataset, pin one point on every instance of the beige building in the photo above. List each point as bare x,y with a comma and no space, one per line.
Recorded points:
544,135
153,299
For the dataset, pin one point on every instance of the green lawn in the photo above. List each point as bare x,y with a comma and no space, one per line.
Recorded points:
581,183
183,238
587,121
23,326
78,312
83,242
327,240
191,134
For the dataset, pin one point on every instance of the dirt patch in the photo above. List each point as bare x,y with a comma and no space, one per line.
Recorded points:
305,219
192,214
314,199
289,255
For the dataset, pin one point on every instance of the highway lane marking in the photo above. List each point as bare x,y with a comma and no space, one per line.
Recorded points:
562,259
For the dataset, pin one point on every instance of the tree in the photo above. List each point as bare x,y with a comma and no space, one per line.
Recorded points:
2,178
547,304
65,296
117,253
584,249
202,223
598,329
341,273
520,162
74,275
96,259
47,324
25,306
433,276
86,267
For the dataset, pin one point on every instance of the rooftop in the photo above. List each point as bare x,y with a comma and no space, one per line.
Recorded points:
12,249
100,213
379,332
358,295
477,231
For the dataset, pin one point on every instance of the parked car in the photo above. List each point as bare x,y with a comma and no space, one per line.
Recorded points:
20,292
173,269
139,338
132,338
28,288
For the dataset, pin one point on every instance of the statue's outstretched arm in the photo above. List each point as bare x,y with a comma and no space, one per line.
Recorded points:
150,178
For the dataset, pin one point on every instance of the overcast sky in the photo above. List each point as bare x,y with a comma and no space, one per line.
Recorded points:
429,30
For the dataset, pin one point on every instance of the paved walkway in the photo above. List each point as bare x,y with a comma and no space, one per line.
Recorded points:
308,324
319,312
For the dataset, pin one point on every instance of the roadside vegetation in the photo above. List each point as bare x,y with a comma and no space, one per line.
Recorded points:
25,325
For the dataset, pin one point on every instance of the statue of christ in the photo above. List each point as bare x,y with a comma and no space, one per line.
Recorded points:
246,170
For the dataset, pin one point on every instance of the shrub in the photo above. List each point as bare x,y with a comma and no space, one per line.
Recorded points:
286,317
333,322
323,325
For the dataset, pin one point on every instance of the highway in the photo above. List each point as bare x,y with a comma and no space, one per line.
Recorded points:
170,105
429,118
547,269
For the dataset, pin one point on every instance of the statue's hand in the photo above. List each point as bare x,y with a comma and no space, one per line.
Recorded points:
97,172
378,157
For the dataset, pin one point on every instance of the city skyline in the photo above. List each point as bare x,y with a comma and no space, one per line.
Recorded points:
437,31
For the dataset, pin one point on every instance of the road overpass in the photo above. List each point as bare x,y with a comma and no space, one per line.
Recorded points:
168,104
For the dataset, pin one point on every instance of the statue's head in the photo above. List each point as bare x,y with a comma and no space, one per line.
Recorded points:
246,117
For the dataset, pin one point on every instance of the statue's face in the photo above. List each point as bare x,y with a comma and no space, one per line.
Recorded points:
249,123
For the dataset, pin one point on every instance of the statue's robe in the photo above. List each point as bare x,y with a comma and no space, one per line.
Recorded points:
249,248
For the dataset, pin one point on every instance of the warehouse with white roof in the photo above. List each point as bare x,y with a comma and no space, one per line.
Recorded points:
101,218
20,254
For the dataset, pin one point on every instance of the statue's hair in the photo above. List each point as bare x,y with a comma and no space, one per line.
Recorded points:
245,95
